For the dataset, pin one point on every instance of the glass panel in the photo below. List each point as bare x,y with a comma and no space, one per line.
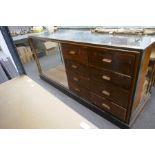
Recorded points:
51,61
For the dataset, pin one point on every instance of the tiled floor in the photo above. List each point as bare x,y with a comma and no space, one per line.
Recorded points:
145,120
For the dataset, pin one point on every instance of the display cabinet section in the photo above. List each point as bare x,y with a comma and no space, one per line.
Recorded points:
106,77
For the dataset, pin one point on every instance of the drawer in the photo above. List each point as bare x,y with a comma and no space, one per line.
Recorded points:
80,80
73,52
117,79
112,60
111,92
108,106
81,92
78,68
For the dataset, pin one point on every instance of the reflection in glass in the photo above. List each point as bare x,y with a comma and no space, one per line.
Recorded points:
51,61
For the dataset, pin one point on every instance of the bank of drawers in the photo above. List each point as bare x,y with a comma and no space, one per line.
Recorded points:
76,62
100,76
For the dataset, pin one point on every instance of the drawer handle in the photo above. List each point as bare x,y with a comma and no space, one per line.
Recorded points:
107,60
75,79
106,77
74,66
72,52
106,106
105,93
76,89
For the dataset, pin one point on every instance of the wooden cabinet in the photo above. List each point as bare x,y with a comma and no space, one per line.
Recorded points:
110,74
101,76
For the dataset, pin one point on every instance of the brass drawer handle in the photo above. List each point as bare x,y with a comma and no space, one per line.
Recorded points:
106,106
72,52
75,79
106,77
105,93
74,66
107,60
76,89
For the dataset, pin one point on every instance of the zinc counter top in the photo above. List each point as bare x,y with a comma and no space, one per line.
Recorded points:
137,42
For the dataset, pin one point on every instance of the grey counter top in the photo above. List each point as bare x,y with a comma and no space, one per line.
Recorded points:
23,38
139,42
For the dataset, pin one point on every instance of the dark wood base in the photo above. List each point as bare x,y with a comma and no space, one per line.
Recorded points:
92,107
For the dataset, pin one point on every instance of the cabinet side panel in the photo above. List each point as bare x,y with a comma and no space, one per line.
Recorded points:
141,78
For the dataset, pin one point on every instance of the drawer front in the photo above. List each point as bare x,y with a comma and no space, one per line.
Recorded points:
102,75
80,80
78,68
112,93
73,52
81,92
109,106
112,60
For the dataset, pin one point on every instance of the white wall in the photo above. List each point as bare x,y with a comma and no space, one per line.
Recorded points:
5,49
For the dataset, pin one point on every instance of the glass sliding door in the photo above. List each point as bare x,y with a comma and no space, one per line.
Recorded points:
49,60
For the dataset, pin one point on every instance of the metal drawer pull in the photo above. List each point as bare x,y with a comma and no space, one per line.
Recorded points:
105,93
107,60
106,106
75,79
106,77
74,66
72,52
76,89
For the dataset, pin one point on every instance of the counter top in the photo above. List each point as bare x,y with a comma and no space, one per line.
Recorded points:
24,36
138,42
